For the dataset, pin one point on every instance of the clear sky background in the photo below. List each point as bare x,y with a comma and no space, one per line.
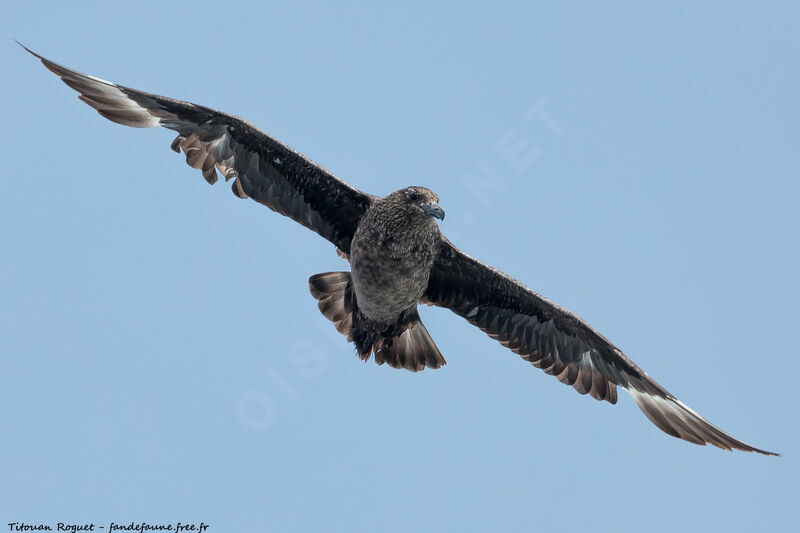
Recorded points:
163,360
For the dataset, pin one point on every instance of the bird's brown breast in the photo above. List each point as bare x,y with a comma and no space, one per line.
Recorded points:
391,258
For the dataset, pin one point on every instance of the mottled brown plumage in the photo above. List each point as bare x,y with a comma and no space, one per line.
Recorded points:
398,259
391,257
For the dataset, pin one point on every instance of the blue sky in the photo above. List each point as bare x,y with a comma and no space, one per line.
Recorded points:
163,359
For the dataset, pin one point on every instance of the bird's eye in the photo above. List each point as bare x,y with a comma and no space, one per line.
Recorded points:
412,195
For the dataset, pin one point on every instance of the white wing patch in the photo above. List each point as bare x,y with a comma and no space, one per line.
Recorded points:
106,97
679,420
112,103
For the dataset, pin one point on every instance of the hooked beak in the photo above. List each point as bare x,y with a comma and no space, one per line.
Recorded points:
433,210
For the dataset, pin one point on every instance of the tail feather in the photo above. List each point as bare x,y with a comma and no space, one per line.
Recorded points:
413,349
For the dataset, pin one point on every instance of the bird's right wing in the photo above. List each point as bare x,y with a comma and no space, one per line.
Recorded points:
560,343
263,168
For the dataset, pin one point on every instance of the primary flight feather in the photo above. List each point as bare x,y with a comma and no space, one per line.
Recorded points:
398,259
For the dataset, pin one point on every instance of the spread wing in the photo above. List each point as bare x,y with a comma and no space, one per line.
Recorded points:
560,343
262,168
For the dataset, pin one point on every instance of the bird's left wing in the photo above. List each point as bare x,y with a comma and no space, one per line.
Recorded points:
262,168
560,343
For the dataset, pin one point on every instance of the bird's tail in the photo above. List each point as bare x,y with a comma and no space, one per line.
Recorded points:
413,349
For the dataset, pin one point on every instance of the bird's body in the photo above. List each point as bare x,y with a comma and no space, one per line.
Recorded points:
391,257
398,259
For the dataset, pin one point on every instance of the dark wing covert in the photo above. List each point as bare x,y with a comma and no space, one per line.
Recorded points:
262,167
560,343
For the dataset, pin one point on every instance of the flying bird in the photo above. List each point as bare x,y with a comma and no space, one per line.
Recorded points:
398,259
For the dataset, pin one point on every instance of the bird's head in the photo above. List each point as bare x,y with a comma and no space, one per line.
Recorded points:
420,200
